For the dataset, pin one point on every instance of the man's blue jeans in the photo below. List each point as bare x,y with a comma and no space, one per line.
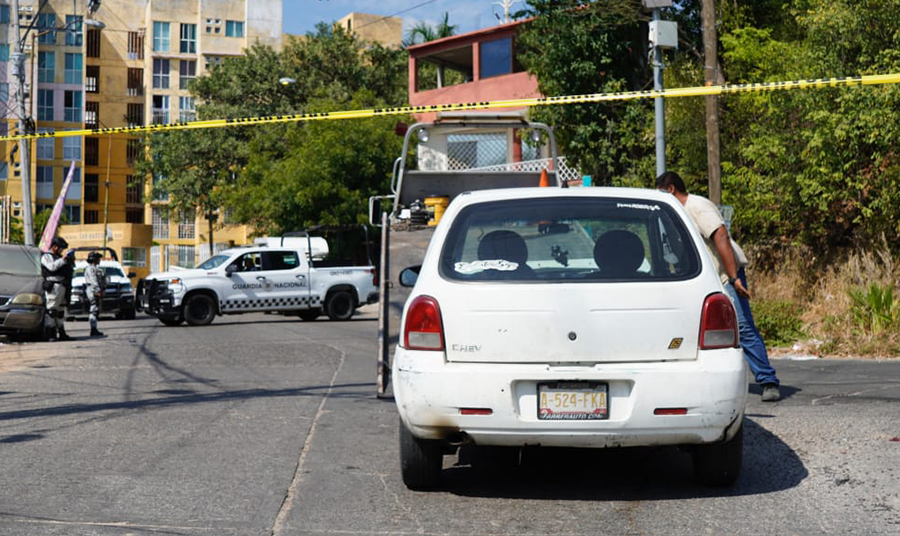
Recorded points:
751,341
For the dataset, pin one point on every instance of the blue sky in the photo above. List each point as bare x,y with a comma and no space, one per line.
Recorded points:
301,16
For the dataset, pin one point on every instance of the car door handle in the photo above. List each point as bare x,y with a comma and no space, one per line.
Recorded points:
260,278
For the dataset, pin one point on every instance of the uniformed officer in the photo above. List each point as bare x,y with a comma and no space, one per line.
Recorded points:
57,271
94,283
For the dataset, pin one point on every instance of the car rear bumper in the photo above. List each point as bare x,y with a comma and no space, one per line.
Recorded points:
430,394
24,319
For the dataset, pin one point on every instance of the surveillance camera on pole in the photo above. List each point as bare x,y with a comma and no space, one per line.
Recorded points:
663,34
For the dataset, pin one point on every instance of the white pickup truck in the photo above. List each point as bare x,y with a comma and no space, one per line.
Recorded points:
257,279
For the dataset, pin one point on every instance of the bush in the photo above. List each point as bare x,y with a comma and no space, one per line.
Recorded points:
778,321
874,309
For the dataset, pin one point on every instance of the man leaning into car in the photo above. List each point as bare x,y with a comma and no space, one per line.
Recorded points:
706,217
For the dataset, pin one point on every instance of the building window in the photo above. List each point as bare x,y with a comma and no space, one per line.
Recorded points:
91,216
91,190
92,78
4,171
160,73
188,70
134,115
186,258
160,36
135,257
4,51
496,57
134,190
74,191
134,215
132,151
46,67
160,222
92,151
93,43
73,31
4,91
72,147
46,21
136,45
44,180
186,228
188,39
4,14
186,109
91,115
73,213
160,109
46,148
234,28
158,194
72,107
212,60
45,105
135,82
73,68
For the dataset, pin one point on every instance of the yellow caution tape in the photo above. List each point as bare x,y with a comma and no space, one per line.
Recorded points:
514,103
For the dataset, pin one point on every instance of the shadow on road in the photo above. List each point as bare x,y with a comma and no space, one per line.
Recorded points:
628,474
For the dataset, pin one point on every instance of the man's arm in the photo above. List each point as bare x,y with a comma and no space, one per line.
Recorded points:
726,253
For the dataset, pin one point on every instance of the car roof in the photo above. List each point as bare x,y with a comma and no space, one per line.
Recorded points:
550,192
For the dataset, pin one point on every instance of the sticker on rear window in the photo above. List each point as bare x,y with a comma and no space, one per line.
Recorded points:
480,266
638,206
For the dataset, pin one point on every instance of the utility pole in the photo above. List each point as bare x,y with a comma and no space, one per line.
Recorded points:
18,73
659,104
711,76
505,4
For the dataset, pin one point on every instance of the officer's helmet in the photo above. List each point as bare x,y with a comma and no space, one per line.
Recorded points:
93,257
59,242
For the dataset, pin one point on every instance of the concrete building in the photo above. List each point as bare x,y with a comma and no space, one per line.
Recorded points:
387,31
134,71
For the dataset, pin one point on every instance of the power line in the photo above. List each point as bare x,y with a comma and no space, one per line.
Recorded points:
397,13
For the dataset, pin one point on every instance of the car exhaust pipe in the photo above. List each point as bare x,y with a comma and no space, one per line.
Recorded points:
457,439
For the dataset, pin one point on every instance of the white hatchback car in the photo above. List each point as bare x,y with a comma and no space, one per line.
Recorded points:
584,317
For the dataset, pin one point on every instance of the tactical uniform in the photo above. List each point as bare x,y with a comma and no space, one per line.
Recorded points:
94,283
57,271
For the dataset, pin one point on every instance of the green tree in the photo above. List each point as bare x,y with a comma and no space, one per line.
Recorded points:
422,32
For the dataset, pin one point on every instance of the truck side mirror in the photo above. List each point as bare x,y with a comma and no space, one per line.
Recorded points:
230,269
409,276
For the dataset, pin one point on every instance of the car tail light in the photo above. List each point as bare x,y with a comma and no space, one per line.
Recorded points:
423,329
374,277
718,324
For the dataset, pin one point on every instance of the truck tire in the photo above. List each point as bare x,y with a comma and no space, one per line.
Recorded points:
199,310
719,464
310,314
420,460
130,314
171,321
340,305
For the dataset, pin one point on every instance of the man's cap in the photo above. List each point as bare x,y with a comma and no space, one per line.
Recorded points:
60,242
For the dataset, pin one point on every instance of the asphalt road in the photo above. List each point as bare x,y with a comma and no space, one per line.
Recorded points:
262,424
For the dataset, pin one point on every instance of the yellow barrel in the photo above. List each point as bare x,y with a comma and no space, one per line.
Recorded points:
436,204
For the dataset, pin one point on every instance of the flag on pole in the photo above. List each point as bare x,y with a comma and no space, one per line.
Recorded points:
53,222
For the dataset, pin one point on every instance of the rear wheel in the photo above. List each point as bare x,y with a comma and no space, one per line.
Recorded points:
420,460
199,310
171,320
310,314
719,464
340,305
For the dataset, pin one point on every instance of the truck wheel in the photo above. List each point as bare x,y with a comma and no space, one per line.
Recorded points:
719,464
199,310
420,460
310,314
340,305
171,321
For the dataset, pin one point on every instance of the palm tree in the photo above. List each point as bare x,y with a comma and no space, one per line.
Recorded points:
423,33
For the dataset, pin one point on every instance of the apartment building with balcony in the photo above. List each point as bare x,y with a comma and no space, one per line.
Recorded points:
136,70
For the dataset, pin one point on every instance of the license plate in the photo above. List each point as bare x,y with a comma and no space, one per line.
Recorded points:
578,401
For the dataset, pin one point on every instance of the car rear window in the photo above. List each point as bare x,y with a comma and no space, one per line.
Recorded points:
569,239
